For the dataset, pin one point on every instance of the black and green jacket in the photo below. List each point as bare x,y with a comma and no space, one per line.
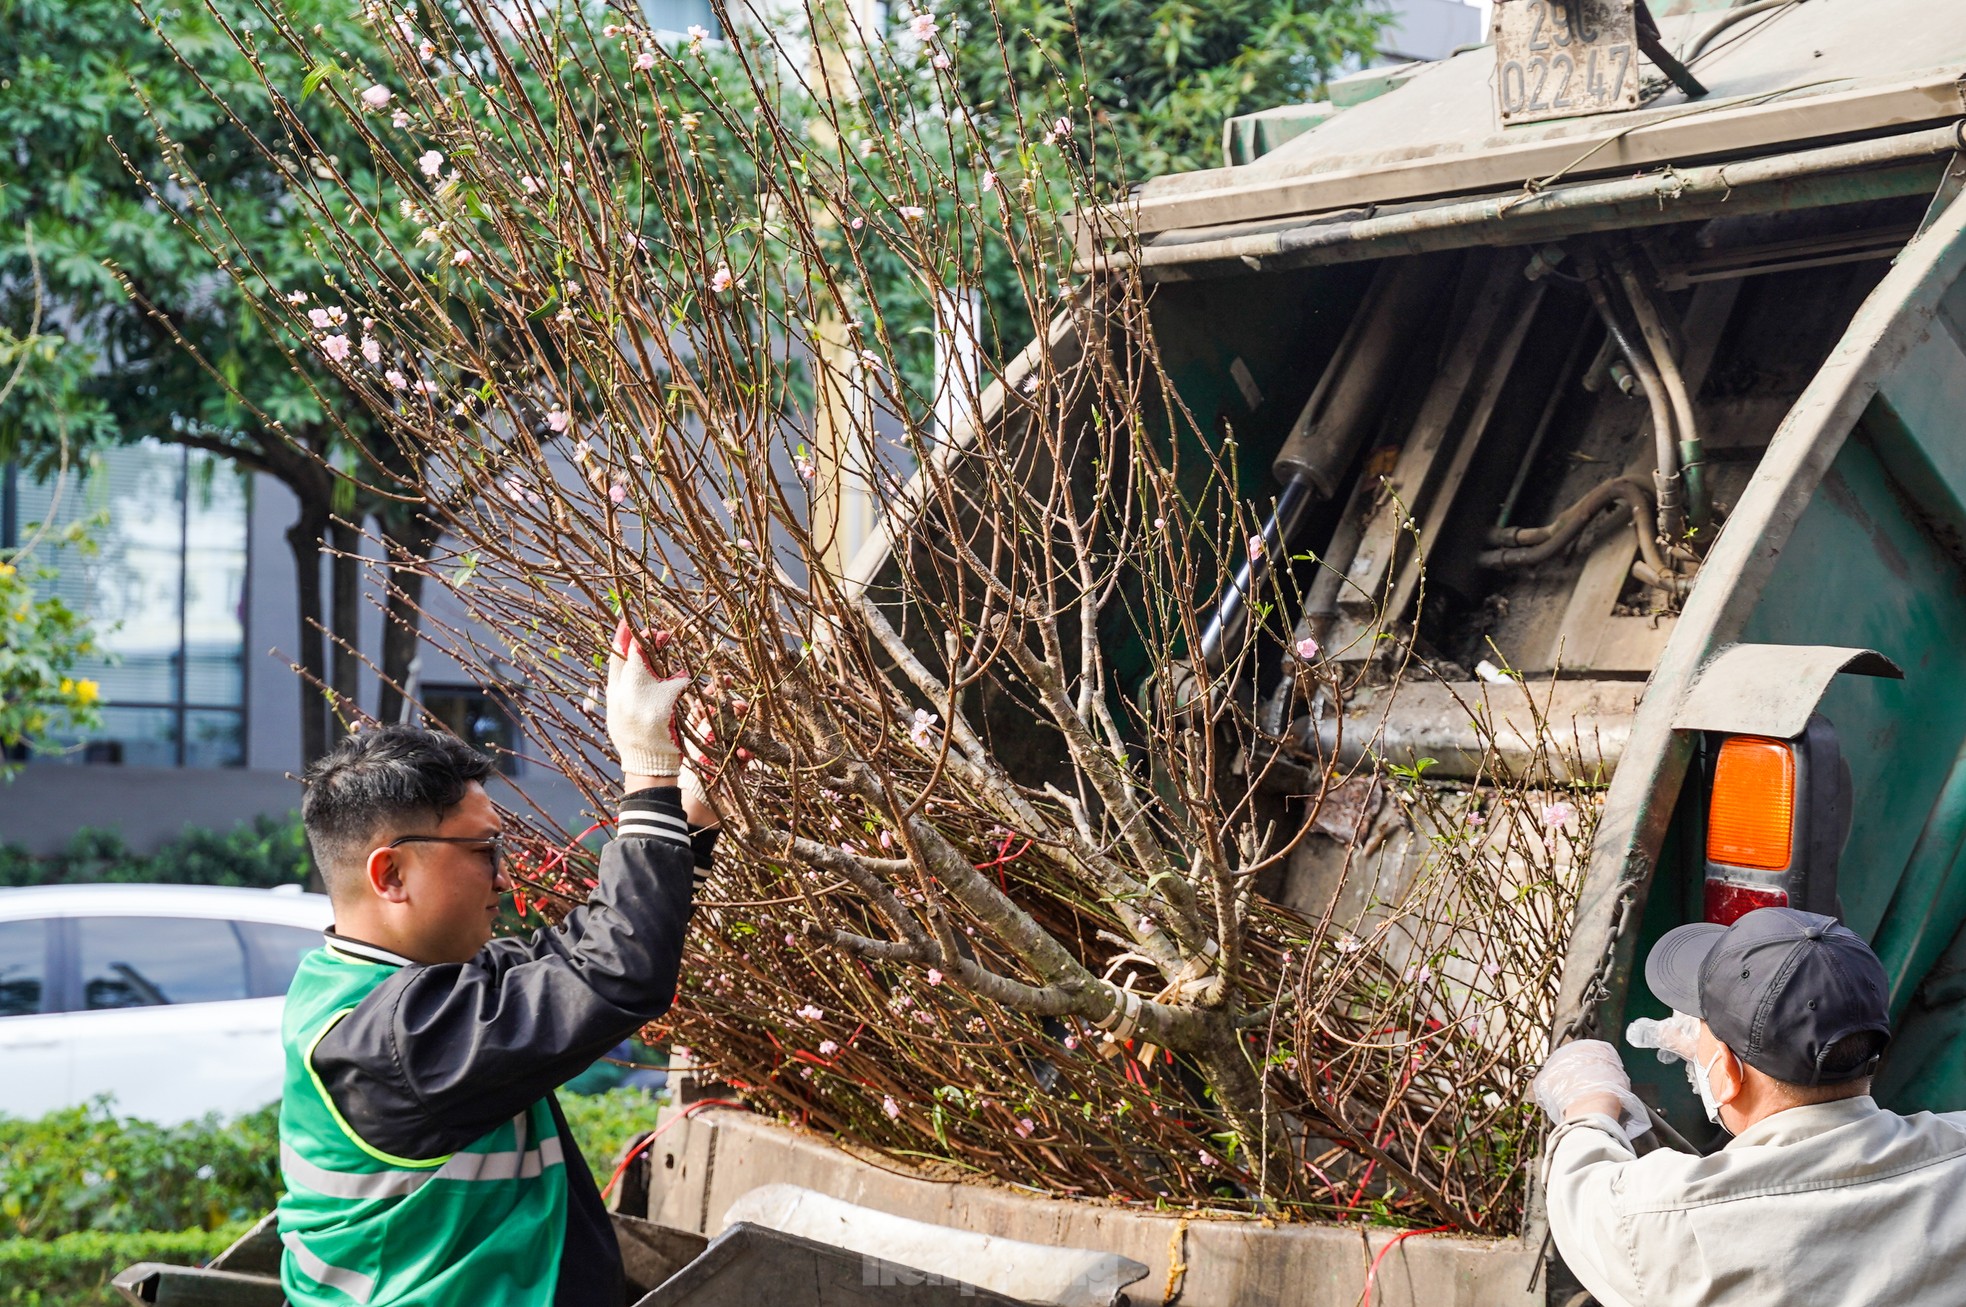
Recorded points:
424,1155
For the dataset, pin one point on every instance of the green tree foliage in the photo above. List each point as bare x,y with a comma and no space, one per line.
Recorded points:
257,854
1157,80
120,324
1072,104
41,638
90,84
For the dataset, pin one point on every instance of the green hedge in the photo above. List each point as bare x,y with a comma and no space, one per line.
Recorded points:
84,1170
84,1193
74,1270
602,1124
259,854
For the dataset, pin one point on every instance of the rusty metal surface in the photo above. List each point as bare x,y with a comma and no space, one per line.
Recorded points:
1904,164
1348,808
1564,58
1469,728
1453,417
1770,689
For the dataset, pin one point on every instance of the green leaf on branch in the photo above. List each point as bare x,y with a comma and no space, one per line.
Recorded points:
318,74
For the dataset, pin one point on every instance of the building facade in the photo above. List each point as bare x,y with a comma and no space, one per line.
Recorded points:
190,582
1430,29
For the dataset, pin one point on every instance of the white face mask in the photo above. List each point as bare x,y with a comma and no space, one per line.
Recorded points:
1703,1088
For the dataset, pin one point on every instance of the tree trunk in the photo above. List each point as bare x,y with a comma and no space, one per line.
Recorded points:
304,539
345,568
408,537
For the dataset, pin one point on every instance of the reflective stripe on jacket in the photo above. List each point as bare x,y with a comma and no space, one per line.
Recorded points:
483,1224
425,1158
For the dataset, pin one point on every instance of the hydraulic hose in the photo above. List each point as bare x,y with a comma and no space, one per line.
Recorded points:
1668,582
1665,477
1547,540
1524,546
1692,455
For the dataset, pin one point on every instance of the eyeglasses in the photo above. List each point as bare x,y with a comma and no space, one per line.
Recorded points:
494,844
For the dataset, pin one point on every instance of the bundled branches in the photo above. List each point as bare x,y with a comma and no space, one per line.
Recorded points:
646,326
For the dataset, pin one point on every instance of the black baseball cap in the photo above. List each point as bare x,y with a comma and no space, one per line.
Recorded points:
1779,987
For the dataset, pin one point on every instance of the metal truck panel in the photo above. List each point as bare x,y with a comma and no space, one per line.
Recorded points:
1771,689
748,1264
1820,548
704,1165
1878,168
1826,69
1039,1273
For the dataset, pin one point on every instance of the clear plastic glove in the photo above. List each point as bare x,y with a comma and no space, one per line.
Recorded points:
642,710
1580,1069
1676,1039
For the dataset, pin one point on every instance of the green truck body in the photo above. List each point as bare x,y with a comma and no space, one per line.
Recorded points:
1796,226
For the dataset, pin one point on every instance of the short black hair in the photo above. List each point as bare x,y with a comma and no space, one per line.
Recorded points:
1847,1064
1852,1057
381,779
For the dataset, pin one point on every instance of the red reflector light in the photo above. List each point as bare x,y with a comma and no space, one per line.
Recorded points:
1727,903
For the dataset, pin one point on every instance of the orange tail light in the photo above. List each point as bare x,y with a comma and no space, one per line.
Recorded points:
1751,817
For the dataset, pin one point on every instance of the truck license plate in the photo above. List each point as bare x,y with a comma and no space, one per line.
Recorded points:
1564,58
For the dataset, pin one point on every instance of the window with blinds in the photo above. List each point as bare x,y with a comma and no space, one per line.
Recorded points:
164,581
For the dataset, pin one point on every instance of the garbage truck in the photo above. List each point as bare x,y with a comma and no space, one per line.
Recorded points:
1639,333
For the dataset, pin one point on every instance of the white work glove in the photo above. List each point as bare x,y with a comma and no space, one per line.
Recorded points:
642,711
1675,1039
699,769
696,799
1588,1066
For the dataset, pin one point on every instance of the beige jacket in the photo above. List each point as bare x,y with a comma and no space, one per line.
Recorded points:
1835,1205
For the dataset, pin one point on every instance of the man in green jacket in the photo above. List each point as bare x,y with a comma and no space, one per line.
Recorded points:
425,1158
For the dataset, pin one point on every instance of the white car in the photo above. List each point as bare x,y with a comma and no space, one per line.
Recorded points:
166,997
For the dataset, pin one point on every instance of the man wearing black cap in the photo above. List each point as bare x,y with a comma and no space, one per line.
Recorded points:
1820,1196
